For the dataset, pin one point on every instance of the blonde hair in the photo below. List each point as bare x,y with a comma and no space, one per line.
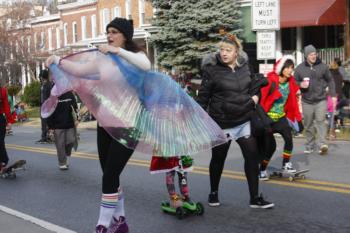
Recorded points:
233,41
230,38
227,44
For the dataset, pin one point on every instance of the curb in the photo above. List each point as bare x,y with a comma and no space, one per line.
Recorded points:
27,218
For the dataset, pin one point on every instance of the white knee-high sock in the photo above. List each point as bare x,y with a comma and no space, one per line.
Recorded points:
108,203
119,209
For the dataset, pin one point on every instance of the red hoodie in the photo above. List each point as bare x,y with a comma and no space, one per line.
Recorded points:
291,107
4,105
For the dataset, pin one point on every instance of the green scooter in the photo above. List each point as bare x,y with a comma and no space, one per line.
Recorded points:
187,207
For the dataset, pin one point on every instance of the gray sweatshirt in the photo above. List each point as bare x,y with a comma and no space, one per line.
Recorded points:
320,79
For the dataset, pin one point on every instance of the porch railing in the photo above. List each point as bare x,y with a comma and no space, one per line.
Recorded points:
327,55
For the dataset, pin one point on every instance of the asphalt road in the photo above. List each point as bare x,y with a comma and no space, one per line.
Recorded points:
70,199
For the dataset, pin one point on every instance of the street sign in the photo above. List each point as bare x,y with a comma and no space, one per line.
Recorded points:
265,69
266,45
265,15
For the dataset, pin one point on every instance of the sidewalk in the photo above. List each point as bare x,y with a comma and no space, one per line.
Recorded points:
15,222
91,125
35,122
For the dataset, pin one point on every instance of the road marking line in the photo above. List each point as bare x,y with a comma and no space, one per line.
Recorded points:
309,184
47,225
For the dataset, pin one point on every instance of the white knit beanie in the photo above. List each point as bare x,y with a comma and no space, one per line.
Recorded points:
280,63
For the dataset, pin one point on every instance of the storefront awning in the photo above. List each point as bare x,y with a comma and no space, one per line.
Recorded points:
301,13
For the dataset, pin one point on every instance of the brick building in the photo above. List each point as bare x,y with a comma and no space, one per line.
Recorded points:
78,26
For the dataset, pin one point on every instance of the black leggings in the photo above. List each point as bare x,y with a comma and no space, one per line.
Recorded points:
282,127
3,154
250,153
113,158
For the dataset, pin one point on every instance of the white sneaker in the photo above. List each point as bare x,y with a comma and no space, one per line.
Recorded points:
288,167
308,151
63,167
263,175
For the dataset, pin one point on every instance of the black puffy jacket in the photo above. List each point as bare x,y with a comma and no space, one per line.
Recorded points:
224,93
62,117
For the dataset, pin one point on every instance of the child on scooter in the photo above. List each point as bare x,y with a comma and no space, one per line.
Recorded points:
179,165
170,166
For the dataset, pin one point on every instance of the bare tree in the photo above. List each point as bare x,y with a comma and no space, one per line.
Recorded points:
15,42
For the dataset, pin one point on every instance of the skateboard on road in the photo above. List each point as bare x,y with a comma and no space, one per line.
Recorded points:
10,171
299,174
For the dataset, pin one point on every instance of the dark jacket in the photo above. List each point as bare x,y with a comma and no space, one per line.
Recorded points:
338,82
320,79
45,91
62,117
225,93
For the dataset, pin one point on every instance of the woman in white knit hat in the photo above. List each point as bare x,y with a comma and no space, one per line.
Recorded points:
279,100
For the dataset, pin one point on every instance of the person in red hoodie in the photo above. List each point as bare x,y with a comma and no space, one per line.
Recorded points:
280,101
5,121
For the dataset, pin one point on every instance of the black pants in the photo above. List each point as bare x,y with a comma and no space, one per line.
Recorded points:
44,129
346,89
250,153
282,127
3,153
113,158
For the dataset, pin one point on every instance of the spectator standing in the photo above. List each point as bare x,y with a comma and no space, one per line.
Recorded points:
45,90
63,123
314,77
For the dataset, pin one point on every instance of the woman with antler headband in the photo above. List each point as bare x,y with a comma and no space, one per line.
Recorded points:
225,94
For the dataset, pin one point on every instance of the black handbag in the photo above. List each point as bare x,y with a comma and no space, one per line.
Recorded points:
260,121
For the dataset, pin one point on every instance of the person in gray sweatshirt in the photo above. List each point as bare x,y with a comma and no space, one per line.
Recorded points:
315,83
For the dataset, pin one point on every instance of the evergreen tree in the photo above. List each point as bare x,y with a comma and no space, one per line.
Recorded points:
189,29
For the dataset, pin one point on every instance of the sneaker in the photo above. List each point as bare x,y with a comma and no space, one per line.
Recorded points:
100,229
41,141
175,201
288,167
213,199
63,167
118,226
323,149
308,151
48,141
263,175
260,203
2,168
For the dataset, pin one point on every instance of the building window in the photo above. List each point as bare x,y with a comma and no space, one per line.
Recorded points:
65,34
42,40
49,33
58,38
83,27
116,12
93,26
128,9
28,44
142,12
101,22
11,50
74,32
17,48
35,41
105,18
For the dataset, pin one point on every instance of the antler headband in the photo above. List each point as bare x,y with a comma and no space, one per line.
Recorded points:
229,38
